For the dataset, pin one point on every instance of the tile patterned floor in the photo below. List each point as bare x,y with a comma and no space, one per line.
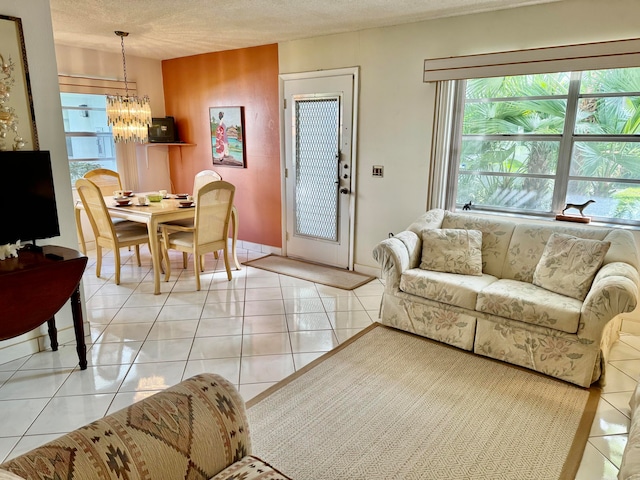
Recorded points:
254,330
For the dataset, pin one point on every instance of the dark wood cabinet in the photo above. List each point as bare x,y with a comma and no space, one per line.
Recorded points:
34,287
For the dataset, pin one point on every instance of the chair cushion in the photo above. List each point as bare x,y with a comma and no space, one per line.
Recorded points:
450,288
530,304
452,250
250,468
183,239
569,264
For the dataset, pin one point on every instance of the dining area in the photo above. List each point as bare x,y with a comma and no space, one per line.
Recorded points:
195,224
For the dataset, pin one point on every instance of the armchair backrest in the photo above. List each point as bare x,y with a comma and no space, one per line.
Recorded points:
107,180
214,202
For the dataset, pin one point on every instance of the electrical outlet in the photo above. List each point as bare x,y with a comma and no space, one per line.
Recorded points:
377,171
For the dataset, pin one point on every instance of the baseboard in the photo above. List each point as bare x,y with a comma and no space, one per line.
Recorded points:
258,247
367,270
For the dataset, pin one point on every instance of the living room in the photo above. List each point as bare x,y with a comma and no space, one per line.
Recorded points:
393,98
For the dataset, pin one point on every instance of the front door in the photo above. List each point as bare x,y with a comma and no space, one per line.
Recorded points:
318,171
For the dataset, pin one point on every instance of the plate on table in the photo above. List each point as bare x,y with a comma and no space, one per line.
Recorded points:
186,205
181,195
128,204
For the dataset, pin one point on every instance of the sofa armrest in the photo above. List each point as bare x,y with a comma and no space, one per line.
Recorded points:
193,429
614,291
397,254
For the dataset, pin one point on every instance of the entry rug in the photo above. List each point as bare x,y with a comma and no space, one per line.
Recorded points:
331,276
391,405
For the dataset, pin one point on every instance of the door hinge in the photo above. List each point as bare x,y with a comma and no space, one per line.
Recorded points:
287,236
286,173
285,103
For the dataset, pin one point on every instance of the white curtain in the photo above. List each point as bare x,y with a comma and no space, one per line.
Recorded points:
441,146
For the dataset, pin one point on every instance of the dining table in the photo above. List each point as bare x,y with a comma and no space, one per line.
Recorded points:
153,214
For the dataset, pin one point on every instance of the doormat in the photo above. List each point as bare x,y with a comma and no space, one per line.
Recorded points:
331,276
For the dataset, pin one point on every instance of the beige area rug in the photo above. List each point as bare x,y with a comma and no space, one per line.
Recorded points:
333,277
391,405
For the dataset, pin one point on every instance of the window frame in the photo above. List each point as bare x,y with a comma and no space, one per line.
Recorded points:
567,140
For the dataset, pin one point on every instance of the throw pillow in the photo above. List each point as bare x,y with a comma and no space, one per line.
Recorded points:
569,264
452,251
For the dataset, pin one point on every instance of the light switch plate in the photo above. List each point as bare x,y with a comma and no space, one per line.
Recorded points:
377,171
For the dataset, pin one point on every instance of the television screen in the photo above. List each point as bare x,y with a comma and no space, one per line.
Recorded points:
162,130
28,211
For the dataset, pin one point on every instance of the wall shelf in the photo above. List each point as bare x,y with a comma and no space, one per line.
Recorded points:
174,144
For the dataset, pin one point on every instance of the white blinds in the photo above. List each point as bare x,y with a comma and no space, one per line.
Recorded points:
586,56
96,86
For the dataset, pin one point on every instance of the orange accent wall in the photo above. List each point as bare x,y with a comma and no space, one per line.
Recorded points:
246,78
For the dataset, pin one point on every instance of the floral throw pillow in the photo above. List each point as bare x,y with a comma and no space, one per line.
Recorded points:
569,264
452,251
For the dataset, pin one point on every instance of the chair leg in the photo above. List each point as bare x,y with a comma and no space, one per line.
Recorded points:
167,270
184,259
226,263
196,269
202,263
116,254
215,255
99,259
138,255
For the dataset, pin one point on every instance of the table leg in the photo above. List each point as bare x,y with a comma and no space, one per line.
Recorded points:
234,238
53,333
76,311
154,248
83,246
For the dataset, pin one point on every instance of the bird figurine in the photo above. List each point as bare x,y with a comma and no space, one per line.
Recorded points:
578,206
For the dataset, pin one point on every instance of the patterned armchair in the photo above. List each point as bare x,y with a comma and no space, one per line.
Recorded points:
196,429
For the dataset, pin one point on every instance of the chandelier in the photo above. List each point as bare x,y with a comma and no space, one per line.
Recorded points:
129,116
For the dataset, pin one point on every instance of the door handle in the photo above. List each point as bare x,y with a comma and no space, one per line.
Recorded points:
344,191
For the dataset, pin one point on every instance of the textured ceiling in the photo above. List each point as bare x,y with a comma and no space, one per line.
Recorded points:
164,29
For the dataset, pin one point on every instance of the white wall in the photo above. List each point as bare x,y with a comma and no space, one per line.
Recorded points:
41,60
397,108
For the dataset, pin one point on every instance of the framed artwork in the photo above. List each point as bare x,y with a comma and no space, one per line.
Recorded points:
227,136
17,119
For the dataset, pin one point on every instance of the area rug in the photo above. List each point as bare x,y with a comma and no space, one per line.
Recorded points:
391,405
333,277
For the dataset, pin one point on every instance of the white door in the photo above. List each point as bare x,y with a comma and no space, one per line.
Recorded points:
318,172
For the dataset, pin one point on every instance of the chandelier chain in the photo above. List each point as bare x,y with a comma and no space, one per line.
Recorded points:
124,67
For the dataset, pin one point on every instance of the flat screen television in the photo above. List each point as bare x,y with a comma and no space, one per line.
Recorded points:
28,212
163,130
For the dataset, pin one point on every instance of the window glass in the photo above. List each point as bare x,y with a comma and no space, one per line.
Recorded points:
533,143
89,140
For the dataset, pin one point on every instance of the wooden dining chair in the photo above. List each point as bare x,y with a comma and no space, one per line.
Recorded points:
109,234
209,233
108,181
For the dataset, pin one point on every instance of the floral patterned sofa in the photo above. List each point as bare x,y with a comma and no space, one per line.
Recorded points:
543,296
194,430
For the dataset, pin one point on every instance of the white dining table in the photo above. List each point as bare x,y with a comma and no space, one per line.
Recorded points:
153,214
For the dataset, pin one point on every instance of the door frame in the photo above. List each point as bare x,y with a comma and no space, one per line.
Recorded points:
355,71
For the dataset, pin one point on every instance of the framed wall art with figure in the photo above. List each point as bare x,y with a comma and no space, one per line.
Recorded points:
227,136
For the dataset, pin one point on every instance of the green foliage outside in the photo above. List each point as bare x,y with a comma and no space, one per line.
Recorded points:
78,169
505,171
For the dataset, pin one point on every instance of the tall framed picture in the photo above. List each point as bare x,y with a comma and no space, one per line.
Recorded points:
227,136
17,119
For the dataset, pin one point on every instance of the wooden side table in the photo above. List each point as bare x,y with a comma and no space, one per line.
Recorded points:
34,286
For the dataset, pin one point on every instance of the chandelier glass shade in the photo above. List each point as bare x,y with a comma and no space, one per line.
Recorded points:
128,115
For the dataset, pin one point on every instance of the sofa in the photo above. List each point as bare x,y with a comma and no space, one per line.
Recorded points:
630,466
194,430
545,296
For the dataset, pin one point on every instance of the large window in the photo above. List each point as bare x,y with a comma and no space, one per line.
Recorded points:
532,143
89,139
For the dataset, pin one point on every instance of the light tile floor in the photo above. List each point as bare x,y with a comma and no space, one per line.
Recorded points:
254,330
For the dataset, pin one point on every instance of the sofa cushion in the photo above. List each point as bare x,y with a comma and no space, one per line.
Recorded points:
569,264
529,241
452,250
250,468
530,304
496,235
450,288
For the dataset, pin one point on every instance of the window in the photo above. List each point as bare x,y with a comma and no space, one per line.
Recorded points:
532,143
89,140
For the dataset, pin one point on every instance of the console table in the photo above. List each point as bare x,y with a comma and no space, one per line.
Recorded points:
34,286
